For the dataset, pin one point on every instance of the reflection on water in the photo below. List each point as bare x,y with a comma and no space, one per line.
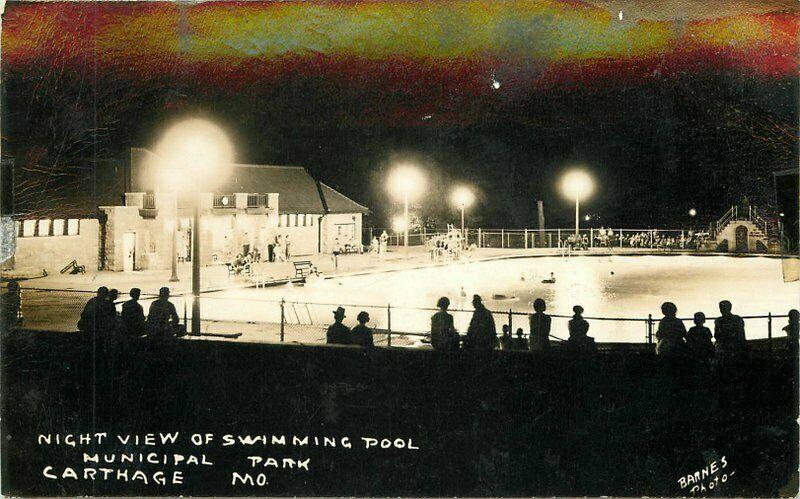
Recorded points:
625,286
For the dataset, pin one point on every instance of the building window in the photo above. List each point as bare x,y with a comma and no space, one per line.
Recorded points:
28,228
293,220
44,227
73,227
58,227
312,217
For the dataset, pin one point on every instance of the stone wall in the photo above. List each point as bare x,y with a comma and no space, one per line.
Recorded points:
52,253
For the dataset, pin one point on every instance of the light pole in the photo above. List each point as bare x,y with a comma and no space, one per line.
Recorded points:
174,276
405,182
463,197
199,150
577,184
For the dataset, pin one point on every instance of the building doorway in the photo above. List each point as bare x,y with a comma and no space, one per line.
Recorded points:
741,239
129,251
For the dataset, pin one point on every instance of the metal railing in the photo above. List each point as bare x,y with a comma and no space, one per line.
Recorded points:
149,201
256,200
275,321
224,201
656,239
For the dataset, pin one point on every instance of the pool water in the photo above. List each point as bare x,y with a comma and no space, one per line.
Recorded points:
615,286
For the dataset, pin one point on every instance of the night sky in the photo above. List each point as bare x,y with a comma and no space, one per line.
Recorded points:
676,105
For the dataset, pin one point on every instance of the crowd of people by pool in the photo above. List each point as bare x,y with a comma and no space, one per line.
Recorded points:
608,238
673,341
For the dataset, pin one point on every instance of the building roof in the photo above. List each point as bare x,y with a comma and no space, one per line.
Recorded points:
336,202
297,191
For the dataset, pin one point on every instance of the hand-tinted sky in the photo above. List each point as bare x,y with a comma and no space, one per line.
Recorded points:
436,53
501,94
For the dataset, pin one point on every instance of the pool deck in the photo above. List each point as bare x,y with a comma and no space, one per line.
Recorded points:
215,277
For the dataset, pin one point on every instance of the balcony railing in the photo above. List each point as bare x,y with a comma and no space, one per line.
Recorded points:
224,201
256,200
149,201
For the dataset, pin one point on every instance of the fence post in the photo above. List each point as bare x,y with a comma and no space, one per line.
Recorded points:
283,320
769,330
184,312
591,237
388,324
502,238
649,329
526,238
620,238
559,238
480,240
510,322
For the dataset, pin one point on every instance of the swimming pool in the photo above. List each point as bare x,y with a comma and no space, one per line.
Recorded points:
605,286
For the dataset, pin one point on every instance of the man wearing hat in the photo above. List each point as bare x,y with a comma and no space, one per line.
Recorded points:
362,335
162,318
338,333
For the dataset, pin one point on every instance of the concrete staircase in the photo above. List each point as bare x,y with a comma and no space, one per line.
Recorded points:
738,231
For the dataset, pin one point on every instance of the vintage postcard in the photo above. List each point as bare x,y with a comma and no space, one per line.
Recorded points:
399,248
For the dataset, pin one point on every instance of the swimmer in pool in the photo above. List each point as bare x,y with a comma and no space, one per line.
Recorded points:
550,280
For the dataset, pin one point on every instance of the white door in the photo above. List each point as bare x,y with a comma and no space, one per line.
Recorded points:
128,251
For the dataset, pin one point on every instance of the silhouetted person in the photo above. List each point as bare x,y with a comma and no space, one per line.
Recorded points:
698,340
578,332
162,318
113,295
792,330
506,339
96,317
670,333
482,333
443,332
132,317
520,343
362,335
540,327
729,333
338,333
11,303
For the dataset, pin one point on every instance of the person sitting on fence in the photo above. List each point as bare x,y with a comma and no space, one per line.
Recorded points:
98,317
540,327
578,332
133,320
362,335
698,340
520,342
443,332
506,338
729,333
670,334
338,333
482,332
11,303
162,318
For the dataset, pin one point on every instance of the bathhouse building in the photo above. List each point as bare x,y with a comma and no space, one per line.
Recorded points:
252,207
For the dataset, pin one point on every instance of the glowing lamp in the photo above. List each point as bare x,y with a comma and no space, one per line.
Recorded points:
577,185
